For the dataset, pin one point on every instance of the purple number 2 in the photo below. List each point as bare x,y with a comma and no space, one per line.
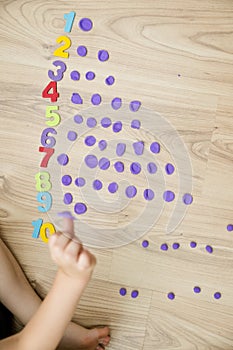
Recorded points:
60,71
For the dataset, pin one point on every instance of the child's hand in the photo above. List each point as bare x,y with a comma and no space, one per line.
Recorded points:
68,253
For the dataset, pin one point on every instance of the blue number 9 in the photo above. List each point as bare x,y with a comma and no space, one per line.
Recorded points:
46,199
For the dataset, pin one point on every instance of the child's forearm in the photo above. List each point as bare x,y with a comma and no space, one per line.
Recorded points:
49,323
15,290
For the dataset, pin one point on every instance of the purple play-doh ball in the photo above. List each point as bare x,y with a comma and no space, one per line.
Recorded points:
68,198
112,187
97,185
63,159
168,196
131,191
155,147
104,163
119,166
91,161
85,24
80,208
135,168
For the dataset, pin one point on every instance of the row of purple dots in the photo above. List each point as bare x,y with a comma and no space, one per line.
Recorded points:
106,122
176,245
96,100
197,290
75,75
119,166
134,293
103,55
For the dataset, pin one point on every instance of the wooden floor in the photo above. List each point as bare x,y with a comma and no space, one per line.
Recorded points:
176,57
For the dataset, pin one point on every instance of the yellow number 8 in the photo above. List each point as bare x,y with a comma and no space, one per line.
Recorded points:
43,181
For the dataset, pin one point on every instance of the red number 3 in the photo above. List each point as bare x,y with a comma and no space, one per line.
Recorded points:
52,95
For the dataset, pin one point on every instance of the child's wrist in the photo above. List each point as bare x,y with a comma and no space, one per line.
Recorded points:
71,281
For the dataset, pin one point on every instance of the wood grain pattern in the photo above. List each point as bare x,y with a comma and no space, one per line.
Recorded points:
150,44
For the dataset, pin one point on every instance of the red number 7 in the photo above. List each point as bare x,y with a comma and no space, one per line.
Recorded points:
49,152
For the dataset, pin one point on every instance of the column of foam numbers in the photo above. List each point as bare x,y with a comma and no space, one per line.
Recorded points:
53,119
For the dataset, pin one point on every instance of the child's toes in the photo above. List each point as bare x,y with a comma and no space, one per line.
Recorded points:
105,341
102,332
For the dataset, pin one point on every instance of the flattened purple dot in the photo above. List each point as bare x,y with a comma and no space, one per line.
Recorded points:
116,103
103,55
209,249
72,135
164,247
75,75
66,180
110,80
155,147
134,106
85,24
80,182
80,208
148,194
217,295
171,296
102,144
145,244
63,159
176,246
117,127
90,140
112,187
96,99
152,168
78,119
119,166
197,290
104,163
123,291
97,185
193,244
230,227
135,124
120,149
90,75
91,122
169,168
68,198
131,191
134,294
82,50
168,196
106,122
66,214
76,98
138,147
135,168
187,198
91,161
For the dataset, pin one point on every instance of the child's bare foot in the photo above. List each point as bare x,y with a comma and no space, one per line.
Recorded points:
80,338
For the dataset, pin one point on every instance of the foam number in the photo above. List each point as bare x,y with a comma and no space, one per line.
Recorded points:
45,228
43,181
59,73
37,225
42,230
53,116
52,85
60,51
69,18
44,198
49,152
48,141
